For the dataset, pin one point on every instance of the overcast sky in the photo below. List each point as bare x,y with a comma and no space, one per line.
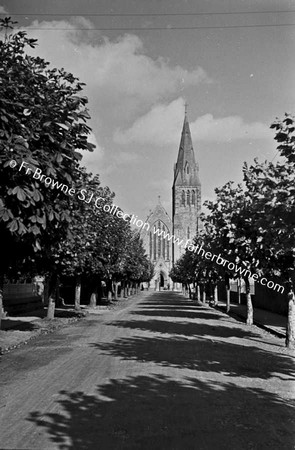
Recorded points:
236,81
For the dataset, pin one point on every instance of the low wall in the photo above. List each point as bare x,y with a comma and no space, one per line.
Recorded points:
270,300
21,298
264,298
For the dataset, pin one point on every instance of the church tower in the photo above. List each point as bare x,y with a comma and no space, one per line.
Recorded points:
186,192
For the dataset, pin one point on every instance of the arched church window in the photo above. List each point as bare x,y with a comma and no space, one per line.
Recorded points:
155,247
188,232
159,246
183,198
188,197
193,198
164,248
187,169
167,251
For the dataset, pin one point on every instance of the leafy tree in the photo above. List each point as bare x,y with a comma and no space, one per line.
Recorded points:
74,256
255,226
229,225
184,271
137,268
43,122
271,193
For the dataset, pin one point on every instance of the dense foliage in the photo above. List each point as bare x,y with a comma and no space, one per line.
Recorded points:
50,228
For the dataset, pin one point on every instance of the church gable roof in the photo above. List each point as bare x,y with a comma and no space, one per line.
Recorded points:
160,213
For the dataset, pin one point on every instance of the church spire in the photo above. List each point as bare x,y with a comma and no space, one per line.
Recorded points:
186,169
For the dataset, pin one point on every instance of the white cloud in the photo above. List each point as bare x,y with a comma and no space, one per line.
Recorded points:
161,125
227,129
92,160
3,10
121,78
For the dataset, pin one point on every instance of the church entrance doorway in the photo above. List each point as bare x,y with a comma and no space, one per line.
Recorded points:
162,281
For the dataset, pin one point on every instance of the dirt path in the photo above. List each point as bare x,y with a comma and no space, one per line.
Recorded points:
158,373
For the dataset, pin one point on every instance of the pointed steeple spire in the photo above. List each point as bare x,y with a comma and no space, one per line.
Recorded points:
186,169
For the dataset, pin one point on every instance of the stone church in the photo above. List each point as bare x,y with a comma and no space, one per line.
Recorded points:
186,208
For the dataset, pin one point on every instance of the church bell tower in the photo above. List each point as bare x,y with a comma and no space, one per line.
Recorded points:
186,192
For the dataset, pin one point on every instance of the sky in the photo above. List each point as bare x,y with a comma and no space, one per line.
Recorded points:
140,66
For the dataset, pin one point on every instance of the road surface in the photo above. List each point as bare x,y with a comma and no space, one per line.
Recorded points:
157,373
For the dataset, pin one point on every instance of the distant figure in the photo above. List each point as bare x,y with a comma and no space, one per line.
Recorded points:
168,286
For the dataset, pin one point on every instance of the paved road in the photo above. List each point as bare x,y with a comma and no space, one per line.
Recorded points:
158,373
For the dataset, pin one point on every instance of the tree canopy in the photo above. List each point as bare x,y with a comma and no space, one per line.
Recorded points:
45,217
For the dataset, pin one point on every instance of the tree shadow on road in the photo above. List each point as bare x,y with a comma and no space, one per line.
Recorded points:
201,354
157,412
186,328
18,325
171,312
175,303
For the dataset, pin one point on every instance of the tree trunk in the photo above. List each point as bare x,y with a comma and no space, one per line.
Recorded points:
1,297
194,289
198,293
78,292
53,286
211,291
58,301
93,298
204,294
249,320
290,331
46,290
227,298
239,291
116,290
53,291
50,307
109,290
215,296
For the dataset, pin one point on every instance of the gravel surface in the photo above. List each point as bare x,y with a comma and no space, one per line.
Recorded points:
154,372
